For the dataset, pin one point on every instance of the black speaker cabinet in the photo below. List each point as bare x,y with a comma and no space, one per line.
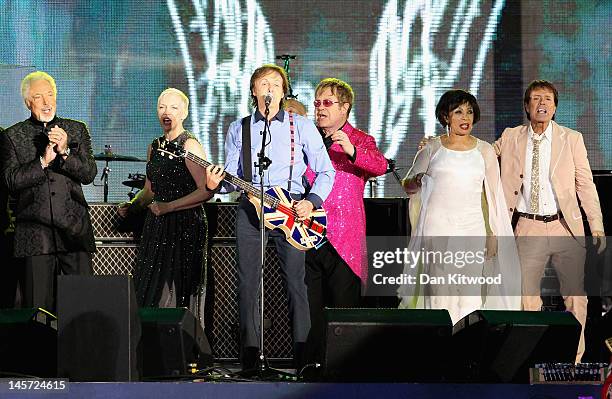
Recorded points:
172,339
386,216
28,342
501,346
386,345
98,328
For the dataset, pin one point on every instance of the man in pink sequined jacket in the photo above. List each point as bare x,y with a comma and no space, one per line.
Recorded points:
335,270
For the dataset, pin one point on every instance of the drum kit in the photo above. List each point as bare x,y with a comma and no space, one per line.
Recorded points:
135,180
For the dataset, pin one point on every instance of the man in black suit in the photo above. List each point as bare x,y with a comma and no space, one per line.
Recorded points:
45,159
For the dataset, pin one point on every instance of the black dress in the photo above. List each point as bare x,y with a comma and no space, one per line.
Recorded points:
171,264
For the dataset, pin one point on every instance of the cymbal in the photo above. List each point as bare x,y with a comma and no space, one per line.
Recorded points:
109,156
135,183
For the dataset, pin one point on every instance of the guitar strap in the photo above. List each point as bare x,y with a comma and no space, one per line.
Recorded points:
247,167
247,171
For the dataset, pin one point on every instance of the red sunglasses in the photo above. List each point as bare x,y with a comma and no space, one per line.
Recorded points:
326,103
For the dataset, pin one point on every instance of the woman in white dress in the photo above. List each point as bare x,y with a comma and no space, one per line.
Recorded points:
458,208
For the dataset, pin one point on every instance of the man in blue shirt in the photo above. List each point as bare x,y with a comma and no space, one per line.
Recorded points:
306,149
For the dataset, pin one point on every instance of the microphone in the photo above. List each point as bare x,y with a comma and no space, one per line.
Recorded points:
268,99
46,130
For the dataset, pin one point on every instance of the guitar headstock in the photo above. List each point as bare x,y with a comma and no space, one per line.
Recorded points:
171,150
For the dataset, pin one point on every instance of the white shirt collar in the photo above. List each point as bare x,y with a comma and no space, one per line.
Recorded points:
547,131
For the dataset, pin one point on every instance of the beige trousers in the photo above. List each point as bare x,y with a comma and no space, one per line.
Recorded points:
537,243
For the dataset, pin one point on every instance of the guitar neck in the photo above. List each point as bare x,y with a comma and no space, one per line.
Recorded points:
236,181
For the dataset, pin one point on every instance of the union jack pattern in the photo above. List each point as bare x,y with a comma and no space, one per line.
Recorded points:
279,214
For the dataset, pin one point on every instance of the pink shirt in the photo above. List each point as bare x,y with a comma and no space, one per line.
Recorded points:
344,205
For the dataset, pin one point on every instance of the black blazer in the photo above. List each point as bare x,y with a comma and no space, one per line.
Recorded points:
51,213
4,214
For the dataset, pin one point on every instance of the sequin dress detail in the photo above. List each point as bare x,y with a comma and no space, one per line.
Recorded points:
171,264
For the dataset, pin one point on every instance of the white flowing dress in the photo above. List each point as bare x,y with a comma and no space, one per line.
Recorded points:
447,217
455,213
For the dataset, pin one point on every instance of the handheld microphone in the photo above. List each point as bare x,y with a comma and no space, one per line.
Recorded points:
46,131
268,99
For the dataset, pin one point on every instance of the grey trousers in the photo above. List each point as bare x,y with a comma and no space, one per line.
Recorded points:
249,272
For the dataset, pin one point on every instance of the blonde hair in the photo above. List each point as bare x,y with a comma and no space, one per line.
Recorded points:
340,89
26,83
172,90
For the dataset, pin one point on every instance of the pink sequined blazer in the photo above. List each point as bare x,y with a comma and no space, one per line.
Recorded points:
344,205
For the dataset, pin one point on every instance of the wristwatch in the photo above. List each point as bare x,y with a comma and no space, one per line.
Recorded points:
66,152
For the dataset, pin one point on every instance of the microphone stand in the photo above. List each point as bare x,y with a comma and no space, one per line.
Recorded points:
372,182
286,58
262,165
104,179
105,171
262,370
391,169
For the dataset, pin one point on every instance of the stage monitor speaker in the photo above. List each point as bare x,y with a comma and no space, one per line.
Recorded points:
172,340
28,342
386,345
99,328
501,346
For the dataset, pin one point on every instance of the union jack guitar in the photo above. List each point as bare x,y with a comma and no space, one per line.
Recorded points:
278,211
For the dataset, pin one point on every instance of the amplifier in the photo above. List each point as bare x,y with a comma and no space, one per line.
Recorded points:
222,306
117,255
114,258
106,223
386,216
109,227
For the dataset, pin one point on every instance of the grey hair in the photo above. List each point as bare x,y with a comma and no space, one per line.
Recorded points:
32,77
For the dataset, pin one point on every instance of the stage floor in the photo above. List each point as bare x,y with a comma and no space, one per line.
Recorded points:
188,390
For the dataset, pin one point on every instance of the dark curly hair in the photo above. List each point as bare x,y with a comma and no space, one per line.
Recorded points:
451,100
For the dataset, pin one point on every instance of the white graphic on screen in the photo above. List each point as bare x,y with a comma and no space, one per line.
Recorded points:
221,43
421,50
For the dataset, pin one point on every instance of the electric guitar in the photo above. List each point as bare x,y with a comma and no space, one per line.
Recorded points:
278,211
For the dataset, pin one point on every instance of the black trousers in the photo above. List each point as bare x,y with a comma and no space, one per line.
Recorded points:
12,275
331,283
41,272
